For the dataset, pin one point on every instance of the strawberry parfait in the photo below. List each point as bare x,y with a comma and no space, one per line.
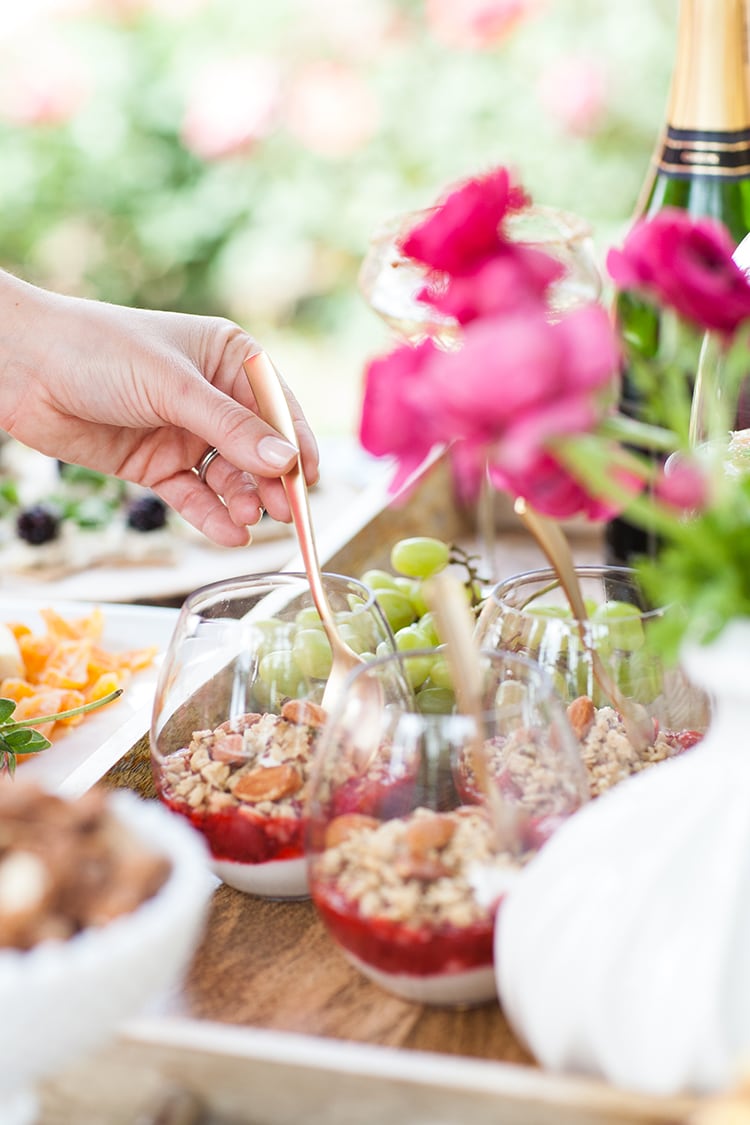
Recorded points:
243,786
406,901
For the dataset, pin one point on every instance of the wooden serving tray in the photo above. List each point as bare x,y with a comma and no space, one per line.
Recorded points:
274,1027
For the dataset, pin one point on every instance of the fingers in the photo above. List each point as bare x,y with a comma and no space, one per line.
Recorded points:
197,503
244,495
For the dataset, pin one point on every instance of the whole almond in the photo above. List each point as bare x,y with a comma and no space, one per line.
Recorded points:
268,783
341,827
303,711
229,749
420,867
581,715
429,833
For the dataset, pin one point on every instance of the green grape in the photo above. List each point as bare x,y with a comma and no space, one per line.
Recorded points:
379,580
418,669
540,609
414,591
397,608
639,675
435,701
420,556
312,653
440,676
428,628
308,618
279,670
624,628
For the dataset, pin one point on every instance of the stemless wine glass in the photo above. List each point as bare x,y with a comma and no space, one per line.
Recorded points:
390,281
237,717
418,822
529,613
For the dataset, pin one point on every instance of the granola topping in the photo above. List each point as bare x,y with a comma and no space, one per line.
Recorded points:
416,869
244,784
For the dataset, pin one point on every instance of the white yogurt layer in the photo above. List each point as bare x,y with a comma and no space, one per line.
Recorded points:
278,878
456,990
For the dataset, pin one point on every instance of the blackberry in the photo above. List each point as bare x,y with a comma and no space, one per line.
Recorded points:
148,513
38,524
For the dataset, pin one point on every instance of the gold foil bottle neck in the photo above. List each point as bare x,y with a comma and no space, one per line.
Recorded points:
709,89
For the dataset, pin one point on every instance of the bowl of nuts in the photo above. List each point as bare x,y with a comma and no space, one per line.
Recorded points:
102,901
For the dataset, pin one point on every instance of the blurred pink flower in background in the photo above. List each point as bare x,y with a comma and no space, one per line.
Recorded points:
42,82
232,104
476,24
331,109
573,90
684,486
355,31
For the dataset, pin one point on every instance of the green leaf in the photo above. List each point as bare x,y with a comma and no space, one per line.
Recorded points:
7,707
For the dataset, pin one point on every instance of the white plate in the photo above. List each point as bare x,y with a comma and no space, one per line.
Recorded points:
346,474
82,755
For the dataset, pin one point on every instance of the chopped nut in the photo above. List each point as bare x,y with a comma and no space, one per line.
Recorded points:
268,783
426,833
304,711
342,826
581,715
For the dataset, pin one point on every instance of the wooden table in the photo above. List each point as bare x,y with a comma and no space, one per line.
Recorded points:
273,1027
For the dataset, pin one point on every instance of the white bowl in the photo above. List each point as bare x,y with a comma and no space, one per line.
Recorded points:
63,998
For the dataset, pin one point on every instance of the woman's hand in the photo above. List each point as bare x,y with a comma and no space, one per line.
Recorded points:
142,395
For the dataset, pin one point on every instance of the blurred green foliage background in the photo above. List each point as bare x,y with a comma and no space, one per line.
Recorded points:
233,156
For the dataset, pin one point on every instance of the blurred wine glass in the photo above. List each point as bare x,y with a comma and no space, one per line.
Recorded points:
390,281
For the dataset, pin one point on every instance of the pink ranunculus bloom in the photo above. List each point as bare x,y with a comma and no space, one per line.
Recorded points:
463,231
476,24
331,109
517,277
683,486
685,263
44,85
231,105
573,91
515,373
551,490
517,383
396,417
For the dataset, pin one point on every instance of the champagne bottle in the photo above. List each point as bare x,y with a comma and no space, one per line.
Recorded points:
702,164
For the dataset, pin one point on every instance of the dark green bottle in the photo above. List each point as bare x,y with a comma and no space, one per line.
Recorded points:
702,164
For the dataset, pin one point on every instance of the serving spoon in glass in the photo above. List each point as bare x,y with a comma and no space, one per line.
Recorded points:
274,409
639,726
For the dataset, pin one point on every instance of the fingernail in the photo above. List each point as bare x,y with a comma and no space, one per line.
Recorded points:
276,452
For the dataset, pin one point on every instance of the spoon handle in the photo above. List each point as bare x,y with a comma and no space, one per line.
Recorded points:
274,409
551,538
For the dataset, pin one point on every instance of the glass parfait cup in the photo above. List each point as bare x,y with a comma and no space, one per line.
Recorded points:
419,821
237,717
529,614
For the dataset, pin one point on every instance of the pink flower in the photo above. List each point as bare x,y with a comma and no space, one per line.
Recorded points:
520,276
396,416
683,487
44,84
552,491
685,263
331,109
232,104
515,385
463,231
476,24
573,91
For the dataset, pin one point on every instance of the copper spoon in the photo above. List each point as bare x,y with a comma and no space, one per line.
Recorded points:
639,726
274,409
